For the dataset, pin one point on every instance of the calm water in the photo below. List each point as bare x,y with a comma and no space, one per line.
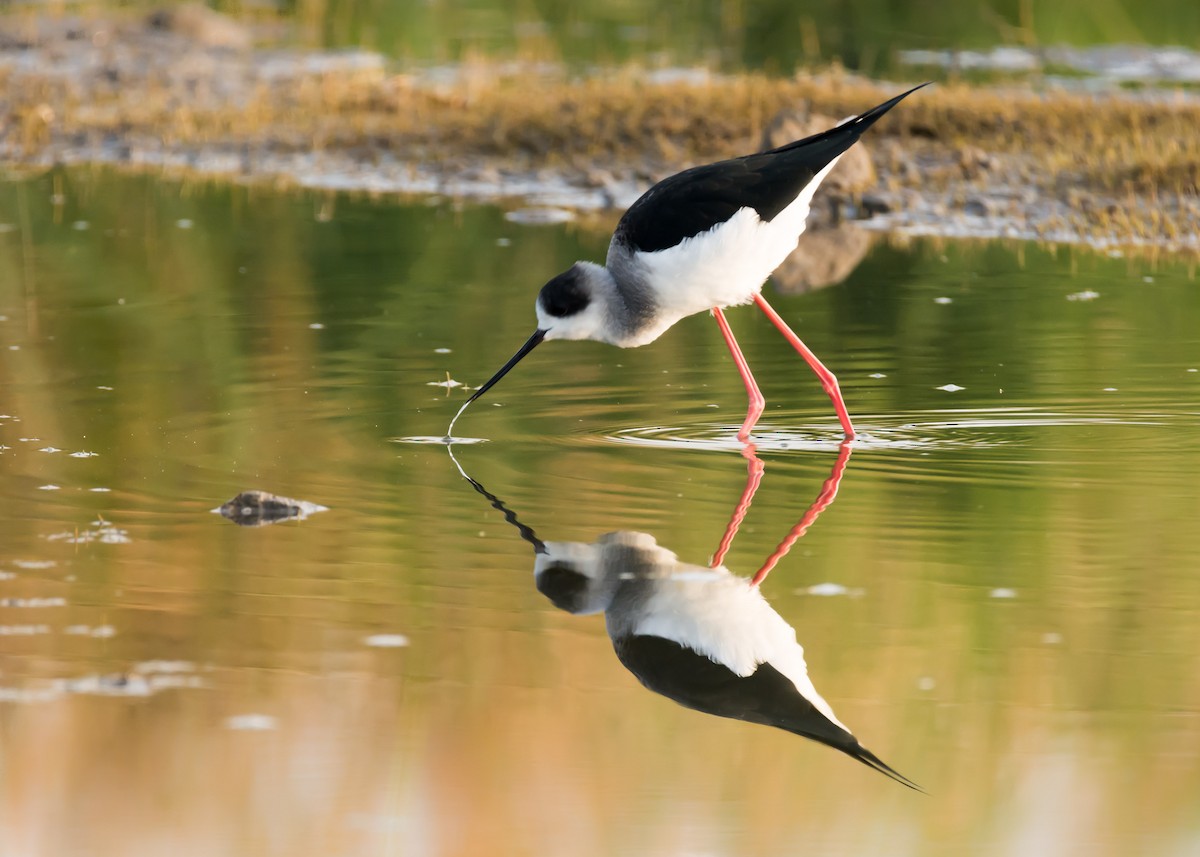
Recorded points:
1002,602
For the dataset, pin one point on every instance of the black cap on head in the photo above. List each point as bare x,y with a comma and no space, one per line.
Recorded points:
565,294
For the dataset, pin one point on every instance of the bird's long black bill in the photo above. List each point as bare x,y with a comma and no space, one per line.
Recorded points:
530,344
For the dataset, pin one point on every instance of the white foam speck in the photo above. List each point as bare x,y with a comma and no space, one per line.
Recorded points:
98,631
251,722
23,630
386,641
33,603
829,590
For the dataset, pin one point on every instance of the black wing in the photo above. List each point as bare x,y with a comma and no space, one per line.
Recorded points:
698,199
767,696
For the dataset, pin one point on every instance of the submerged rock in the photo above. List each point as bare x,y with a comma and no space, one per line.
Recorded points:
259,508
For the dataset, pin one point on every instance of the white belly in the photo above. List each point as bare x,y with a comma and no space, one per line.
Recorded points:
727,265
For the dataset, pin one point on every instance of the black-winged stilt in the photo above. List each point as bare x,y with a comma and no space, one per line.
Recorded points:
700,636
704,239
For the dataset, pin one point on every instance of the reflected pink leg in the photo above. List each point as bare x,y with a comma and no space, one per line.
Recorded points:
757,402
828,493
754,474
828,381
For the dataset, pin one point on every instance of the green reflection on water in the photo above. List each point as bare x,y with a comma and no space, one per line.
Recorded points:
780,36
264,340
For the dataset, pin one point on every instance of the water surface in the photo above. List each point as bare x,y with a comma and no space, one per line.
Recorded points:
1002,601
867,36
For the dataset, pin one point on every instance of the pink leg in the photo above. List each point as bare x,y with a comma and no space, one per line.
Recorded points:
754,475
828,381
757,402
828,494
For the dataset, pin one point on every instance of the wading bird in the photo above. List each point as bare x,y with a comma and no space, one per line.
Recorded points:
704,239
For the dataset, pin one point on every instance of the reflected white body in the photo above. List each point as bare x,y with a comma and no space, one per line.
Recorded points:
644,589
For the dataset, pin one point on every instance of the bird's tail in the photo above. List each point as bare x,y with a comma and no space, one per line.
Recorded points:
852,128
869,759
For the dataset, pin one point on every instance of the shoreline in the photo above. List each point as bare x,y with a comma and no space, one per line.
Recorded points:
1118,170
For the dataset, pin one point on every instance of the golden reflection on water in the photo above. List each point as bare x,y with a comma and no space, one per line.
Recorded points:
1024,641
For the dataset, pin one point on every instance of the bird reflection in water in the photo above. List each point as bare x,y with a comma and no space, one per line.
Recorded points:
701,636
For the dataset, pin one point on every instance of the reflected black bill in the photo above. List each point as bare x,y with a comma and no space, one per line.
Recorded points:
530,344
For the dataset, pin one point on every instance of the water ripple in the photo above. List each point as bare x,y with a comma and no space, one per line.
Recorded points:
984,428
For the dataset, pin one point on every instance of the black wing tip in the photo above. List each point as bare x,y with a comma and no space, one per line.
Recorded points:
850,130
865,120
872,761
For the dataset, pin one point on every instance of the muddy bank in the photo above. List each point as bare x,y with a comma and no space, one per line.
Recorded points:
190,91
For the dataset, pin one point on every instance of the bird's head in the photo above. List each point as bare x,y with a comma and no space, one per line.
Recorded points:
573,576
570,306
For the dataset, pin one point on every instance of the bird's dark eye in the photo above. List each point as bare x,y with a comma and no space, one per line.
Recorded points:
564,295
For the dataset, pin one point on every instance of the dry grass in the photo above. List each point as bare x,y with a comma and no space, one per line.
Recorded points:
1119,166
